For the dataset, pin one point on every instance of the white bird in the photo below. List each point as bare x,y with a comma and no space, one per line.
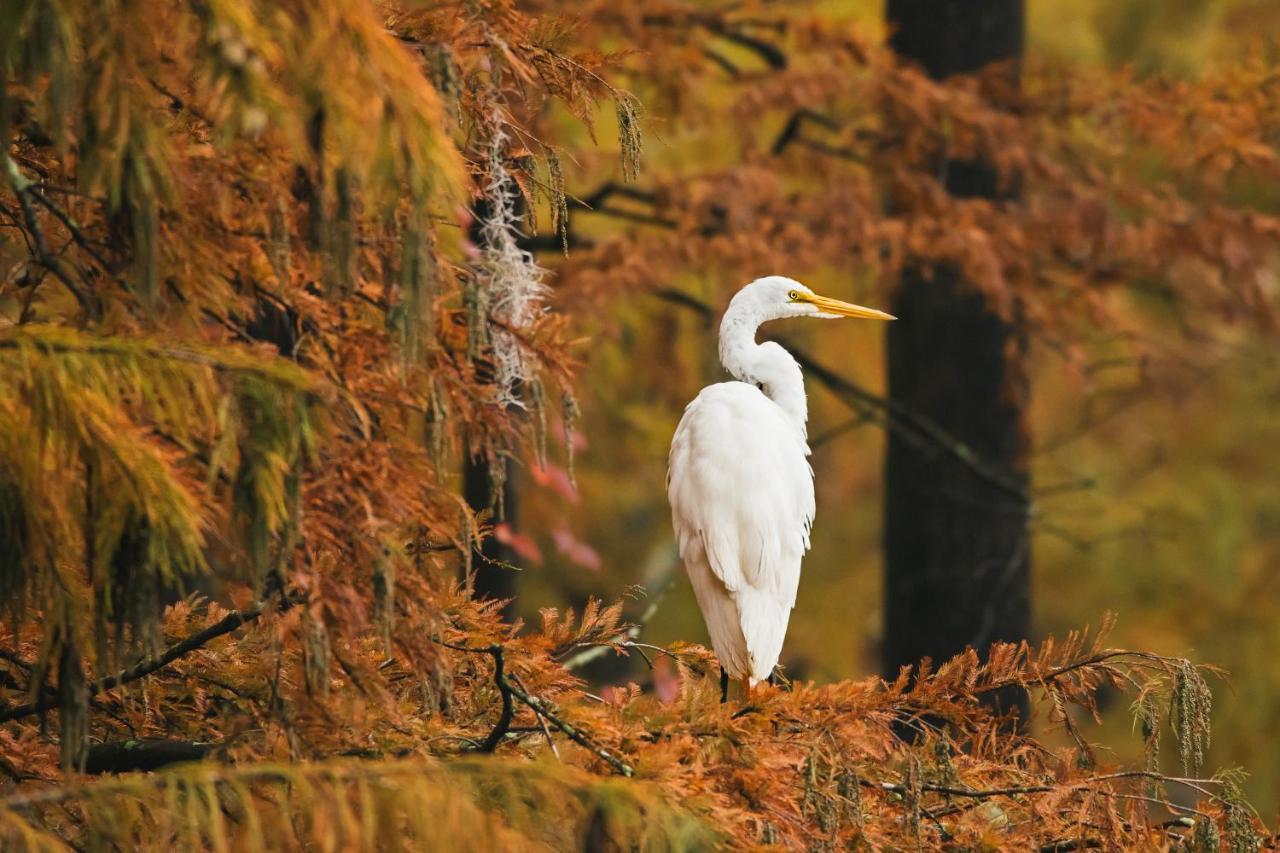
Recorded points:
740,484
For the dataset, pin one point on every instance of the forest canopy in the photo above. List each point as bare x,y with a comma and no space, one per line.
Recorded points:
298,299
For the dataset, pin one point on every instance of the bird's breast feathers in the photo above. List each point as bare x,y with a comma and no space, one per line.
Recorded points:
741,489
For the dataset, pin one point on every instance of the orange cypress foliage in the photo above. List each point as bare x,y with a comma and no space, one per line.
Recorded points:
243,339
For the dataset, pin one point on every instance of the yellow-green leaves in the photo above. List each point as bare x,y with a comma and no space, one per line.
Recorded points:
102,443
475,804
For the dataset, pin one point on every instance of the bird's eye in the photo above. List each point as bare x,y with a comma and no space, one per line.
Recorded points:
793,296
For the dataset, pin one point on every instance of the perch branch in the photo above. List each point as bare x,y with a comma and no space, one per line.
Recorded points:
503,725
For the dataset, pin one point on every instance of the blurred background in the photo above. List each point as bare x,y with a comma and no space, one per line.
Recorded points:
1156,495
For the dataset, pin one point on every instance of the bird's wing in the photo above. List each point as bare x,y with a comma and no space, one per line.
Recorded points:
741,490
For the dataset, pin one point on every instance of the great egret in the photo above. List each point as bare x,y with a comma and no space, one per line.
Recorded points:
739,482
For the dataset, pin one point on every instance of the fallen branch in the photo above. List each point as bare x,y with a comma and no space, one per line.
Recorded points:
145,755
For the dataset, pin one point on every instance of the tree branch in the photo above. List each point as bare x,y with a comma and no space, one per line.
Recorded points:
142,669
22,188
73,228
503,725
638,218
1071,844
723,62
1151,660
541,707
612,188
597,650
791,130
790,134
903,419
1093,785
769,52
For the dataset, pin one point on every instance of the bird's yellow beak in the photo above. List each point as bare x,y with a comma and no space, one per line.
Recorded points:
844,309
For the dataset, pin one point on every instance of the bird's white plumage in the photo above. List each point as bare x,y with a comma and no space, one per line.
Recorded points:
739,480
741,493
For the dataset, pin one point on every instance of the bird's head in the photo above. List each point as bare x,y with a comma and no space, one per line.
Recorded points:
777,297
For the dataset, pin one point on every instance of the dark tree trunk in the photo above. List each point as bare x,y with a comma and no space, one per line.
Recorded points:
949,37
957,570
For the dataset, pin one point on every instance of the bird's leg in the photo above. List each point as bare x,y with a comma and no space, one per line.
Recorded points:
724,685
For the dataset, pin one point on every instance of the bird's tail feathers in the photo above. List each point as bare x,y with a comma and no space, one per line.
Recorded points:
764,625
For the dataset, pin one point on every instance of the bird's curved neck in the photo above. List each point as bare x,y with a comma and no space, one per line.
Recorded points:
767,366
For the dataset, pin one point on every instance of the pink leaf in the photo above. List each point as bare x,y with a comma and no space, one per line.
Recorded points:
575,550
522,545
555,478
